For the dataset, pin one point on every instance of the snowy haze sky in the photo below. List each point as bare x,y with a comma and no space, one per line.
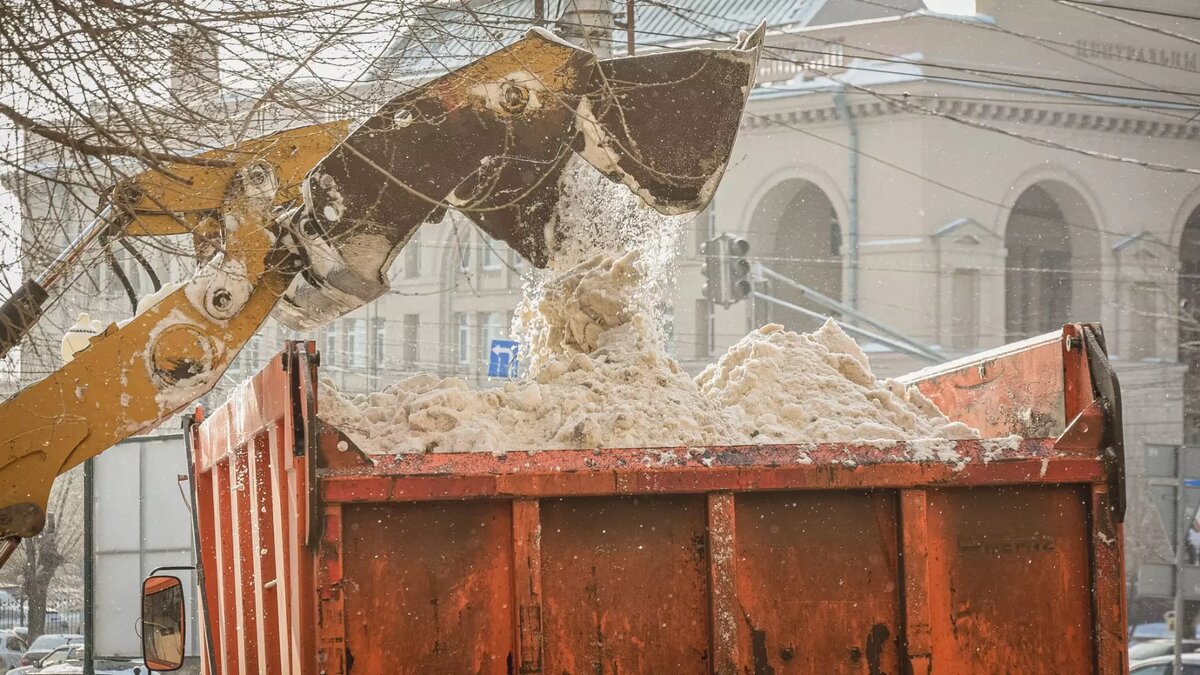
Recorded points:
9,220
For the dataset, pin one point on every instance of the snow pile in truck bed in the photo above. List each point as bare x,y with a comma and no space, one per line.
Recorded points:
817,388
600,377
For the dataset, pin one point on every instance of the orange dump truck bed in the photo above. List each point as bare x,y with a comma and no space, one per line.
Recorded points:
995,556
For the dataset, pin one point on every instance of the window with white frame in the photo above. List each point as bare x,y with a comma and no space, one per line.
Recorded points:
463,323
412,348
464,253
488,259
356,343
516,268
330,356
490,328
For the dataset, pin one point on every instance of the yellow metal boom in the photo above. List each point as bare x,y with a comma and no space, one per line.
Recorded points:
314,216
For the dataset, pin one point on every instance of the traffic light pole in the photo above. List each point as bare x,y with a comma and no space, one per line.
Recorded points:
729,276
847,311
853,330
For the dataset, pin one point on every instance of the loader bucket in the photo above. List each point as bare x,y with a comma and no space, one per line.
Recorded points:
664,124
492,139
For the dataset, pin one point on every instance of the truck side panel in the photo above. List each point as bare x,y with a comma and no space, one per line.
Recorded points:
818,581
429,587
252,501
632,584
1014,588
624,584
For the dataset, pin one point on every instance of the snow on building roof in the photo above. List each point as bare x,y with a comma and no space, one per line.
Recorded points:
858,73
446,36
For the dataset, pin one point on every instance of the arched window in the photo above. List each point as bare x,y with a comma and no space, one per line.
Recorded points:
1189,324
1051,272
795,232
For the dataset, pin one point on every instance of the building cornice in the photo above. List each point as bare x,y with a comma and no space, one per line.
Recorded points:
990,111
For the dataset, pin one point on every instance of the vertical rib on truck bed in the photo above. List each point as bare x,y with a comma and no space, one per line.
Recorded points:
994,556
253,492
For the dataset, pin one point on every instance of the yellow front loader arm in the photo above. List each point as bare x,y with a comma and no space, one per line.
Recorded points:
133,376
491,139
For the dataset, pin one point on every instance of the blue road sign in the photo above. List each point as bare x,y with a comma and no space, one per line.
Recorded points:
502,358
1191,482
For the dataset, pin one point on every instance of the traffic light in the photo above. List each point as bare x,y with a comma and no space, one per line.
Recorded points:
741,282
715,286
727,273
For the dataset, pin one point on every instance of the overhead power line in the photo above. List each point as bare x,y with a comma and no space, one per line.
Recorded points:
914,107
1045,42
678,11
911,107
885,57
901,102
1140,10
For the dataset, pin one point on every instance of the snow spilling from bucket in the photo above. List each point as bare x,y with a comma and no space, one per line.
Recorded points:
601,231
598,374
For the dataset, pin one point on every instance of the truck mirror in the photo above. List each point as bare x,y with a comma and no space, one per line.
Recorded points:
163,623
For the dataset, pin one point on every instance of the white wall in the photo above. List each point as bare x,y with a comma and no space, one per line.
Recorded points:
141,522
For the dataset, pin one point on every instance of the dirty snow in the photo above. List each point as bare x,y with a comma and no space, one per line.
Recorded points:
598,377
818,387
598,374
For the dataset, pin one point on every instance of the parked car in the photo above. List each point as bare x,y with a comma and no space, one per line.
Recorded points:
12,649
67,652
1149,649
46,644
1165,665
1149,631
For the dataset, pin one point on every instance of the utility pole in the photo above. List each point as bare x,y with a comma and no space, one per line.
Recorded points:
1181,531
89,567
1184,515
629,27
